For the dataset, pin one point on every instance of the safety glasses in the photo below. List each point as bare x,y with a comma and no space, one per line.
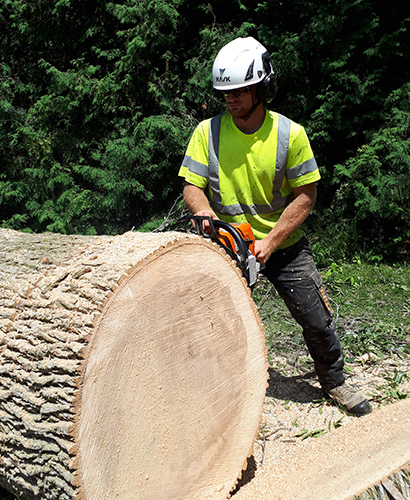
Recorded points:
236,92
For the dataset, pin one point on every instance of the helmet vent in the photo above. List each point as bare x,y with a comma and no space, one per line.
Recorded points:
249,73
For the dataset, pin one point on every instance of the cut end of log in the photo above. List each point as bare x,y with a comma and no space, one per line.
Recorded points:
174,381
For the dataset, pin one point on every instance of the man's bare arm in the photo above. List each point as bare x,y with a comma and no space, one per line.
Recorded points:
196,201
291,218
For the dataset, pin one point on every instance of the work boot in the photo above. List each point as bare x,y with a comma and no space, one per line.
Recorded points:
354,402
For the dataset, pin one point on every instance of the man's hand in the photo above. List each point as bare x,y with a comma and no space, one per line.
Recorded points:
207,213
262,251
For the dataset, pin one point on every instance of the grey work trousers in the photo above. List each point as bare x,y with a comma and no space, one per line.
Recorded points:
294,274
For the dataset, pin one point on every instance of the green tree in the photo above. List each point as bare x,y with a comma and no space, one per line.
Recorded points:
95,123
340,65
97,103
372,202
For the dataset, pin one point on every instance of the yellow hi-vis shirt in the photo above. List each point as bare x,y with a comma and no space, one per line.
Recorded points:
250,176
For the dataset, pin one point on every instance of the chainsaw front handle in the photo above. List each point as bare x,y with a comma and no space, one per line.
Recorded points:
240,256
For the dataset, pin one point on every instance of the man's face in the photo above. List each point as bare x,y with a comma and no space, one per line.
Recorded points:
240,101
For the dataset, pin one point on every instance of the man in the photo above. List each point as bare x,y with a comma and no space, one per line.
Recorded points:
258,167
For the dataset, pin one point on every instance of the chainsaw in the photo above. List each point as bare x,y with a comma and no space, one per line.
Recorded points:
236,239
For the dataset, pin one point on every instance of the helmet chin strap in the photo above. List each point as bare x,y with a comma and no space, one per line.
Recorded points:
246,117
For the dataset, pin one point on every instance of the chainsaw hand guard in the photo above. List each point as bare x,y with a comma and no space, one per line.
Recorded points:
234,243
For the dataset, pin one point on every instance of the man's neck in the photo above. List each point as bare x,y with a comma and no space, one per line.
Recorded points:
254,123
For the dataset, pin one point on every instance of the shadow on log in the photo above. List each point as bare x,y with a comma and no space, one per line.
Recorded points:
131,367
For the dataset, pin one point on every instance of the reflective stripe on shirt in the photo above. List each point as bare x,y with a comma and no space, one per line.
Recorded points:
278,202
195,166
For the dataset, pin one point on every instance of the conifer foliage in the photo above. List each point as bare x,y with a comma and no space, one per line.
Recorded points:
98,100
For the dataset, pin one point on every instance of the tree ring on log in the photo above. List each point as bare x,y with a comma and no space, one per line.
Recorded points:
174,381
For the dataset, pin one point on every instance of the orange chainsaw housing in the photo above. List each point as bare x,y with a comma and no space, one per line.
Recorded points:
247,234
237,239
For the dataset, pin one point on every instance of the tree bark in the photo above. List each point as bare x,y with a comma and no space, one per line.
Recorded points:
131,367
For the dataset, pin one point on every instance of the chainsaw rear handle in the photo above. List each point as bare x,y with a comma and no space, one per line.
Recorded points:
198,222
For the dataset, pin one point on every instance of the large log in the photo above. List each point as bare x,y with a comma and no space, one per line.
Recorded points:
131,367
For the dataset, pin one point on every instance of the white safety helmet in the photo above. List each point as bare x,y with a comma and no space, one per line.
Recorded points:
240,63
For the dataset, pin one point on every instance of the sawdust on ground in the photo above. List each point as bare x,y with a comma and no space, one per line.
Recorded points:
296,416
